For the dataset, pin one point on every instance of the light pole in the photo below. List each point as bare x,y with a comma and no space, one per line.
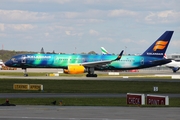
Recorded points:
125,50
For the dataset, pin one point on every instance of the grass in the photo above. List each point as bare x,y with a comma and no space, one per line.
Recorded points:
91,86
174,102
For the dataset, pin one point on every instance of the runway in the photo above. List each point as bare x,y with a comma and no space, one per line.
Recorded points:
24,112
142,75
112,78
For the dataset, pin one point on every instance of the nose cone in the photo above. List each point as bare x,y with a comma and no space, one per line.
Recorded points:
8,63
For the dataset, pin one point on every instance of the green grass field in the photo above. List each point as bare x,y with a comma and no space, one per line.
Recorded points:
91,86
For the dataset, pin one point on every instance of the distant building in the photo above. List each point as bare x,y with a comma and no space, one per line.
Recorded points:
175,56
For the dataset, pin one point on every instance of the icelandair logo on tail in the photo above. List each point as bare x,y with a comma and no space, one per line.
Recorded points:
160,45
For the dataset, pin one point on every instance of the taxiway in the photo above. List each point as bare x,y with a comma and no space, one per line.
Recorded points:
87,113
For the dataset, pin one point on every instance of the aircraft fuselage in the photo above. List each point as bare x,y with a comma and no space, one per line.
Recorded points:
63,60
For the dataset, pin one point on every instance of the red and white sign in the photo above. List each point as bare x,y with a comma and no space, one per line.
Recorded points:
157,100
135,99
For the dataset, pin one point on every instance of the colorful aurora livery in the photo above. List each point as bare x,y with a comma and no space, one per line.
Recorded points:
78,63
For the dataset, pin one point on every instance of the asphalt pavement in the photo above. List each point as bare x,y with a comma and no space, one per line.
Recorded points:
31,112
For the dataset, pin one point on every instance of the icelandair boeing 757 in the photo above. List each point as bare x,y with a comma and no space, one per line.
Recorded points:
77,63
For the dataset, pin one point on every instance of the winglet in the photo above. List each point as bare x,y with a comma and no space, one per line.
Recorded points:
119,56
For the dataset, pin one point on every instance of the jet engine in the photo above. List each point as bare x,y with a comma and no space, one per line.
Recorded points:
175,69
75,69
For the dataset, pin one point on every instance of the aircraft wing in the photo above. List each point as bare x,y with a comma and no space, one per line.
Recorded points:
100,63
160,62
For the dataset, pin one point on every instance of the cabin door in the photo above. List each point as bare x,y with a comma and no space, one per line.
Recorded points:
142,61
23,59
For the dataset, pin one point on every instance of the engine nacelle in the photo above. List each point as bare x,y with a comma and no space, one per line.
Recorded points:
75,69
175,69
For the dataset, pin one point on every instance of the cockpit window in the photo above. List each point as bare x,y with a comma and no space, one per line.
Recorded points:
13,59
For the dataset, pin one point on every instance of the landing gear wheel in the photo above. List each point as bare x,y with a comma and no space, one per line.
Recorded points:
91,72
91,75
25,75
94,75
25,72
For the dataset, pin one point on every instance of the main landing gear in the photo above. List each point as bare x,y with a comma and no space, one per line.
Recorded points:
91,73
25,72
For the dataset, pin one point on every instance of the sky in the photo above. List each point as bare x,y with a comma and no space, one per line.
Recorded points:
76,26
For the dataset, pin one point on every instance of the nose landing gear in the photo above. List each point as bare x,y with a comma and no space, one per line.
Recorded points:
25,72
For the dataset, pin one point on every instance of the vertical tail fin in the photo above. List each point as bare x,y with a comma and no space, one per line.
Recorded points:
104,51
158,48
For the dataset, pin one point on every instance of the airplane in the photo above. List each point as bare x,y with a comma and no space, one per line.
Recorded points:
71,63
174,65
1,64
75,64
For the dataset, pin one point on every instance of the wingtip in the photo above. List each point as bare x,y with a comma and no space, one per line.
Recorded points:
121,53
